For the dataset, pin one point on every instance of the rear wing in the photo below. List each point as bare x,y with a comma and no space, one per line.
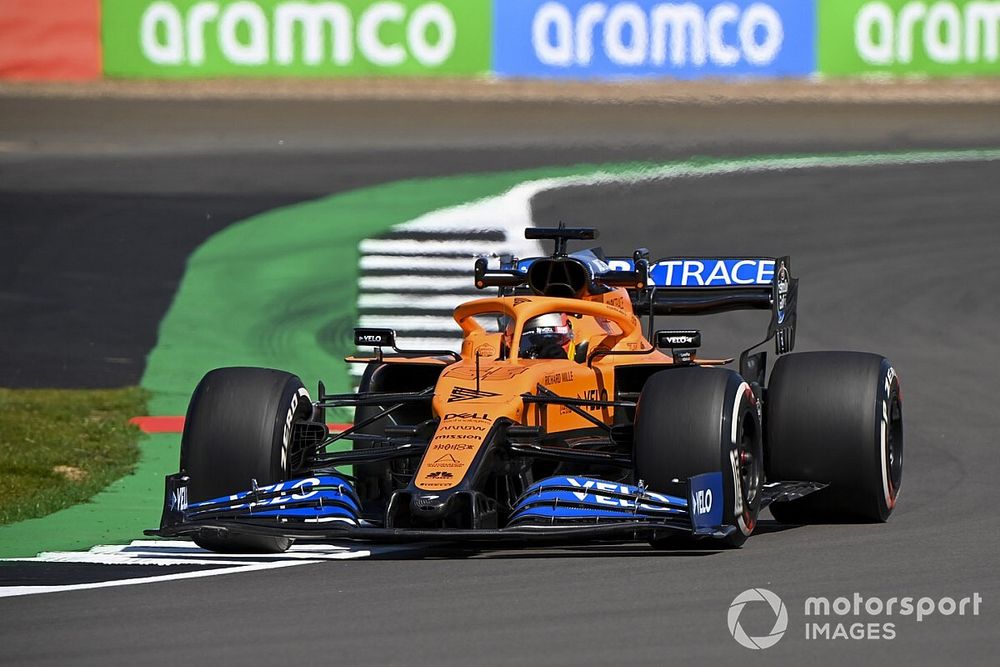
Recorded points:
669,286
707,285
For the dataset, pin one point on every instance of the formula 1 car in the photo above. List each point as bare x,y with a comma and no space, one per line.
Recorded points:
559,421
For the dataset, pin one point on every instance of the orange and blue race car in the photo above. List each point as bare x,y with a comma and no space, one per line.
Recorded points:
568,416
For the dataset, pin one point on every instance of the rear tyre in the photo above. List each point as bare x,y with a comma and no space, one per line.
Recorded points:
695,420
837,418
238,429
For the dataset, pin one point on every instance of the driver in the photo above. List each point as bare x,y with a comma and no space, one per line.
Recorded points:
548,336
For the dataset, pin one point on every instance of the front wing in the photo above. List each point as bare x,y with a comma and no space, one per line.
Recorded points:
554,510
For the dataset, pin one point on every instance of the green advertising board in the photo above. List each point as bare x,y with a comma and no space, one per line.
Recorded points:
943,38
297,38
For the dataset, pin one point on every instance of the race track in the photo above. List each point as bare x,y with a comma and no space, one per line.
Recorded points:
898,259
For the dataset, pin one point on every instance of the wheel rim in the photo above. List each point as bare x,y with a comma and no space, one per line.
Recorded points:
894,445
750,463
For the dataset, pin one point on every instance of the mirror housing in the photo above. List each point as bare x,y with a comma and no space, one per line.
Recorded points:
673,339
375,338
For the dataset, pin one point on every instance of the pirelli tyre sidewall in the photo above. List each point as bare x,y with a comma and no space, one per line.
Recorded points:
694,420
835,418
239,428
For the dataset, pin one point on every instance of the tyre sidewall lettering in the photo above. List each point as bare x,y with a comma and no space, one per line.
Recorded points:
286,433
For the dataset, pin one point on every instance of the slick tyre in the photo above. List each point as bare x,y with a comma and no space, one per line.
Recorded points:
836,418
695,420
238,429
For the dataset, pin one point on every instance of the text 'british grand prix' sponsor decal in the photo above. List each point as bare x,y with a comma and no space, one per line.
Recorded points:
582,38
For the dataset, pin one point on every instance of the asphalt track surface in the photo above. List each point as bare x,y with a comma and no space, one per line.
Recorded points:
103,200
900,260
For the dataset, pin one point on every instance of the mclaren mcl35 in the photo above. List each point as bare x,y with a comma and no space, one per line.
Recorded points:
567,416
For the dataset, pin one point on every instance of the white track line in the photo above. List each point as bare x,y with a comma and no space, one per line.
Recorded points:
12,591
510,212
438,302
410,322
424,261
509,215
183,553
453,344
411,281
408,247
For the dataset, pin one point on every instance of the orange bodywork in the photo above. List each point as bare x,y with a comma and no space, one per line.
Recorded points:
468,400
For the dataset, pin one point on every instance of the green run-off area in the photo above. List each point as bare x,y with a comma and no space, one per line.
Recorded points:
278,290
59,447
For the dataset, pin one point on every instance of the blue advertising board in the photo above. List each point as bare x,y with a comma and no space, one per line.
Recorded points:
580,39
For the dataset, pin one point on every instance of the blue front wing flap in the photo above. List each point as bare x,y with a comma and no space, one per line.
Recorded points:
320,499
562,502
559,501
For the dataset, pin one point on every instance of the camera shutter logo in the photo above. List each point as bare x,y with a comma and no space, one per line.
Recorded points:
780,618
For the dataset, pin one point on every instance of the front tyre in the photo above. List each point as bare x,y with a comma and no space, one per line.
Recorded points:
238,428
694,420
836,418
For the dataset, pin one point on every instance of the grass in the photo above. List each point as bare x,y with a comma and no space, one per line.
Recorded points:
59,447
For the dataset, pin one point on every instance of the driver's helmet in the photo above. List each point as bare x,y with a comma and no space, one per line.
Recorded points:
546,337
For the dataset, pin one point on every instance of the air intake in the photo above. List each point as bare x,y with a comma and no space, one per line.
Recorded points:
558,276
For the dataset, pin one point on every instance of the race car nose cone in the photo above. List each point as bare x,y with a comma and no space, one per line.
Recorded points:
429,506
